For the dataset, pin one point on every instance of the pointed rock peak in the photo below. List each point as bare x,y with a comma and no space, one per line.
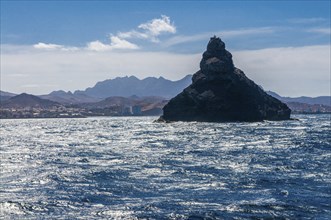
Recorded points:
216,59
215,45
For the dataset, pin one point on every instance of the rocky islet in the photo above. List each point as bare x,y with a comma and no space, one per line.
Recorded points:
220,92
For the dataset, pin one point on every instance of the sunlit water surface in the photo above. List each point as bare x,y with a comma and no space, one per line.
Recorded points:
132,168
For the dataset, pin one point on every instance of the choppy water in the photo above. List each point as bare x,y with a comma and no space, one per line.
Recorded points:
127,168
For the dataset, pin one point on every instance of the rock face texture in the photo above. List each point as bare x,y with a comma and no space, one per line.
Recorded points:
220,92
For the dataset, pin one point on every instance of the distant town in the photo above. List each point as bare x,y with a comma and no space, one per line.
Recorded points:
69,112
29,106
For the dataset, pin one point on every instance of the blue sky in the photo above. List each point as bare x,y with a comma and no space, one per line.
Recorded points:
124,38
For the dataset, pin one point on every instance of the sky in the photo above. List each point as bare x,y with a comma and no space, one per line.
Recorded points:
284,46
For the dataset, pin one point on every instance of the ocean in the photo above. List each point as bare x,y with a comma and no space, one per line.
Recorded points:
132,168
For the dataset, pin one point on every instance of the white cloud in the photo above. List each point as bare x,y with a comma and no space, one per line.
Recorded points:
47,46
115,43
151,29
156,26
98,46
227,33
320,30
118,43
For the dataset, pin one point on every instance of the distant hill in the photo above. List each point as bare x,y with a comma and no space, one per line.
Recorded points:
320,100
69,98
5,95
28,101
128,86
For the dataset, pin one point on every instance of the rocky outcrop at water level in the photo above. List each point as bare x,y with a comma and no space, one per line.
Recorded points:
220,92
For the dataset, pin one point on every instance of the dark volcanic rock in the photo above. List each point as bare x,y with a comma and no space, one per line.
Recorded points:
220,92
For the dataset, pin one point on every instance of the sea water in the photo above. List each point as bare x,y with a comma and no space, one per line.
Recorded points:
132,168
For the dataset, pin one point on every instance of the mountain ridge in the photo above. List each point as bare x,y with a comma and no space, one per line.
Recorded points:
69,97
322,100
128,86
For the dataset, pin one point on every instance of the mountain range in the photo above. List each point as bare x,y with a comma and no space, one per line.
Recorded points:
69,97
128,86
320,100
